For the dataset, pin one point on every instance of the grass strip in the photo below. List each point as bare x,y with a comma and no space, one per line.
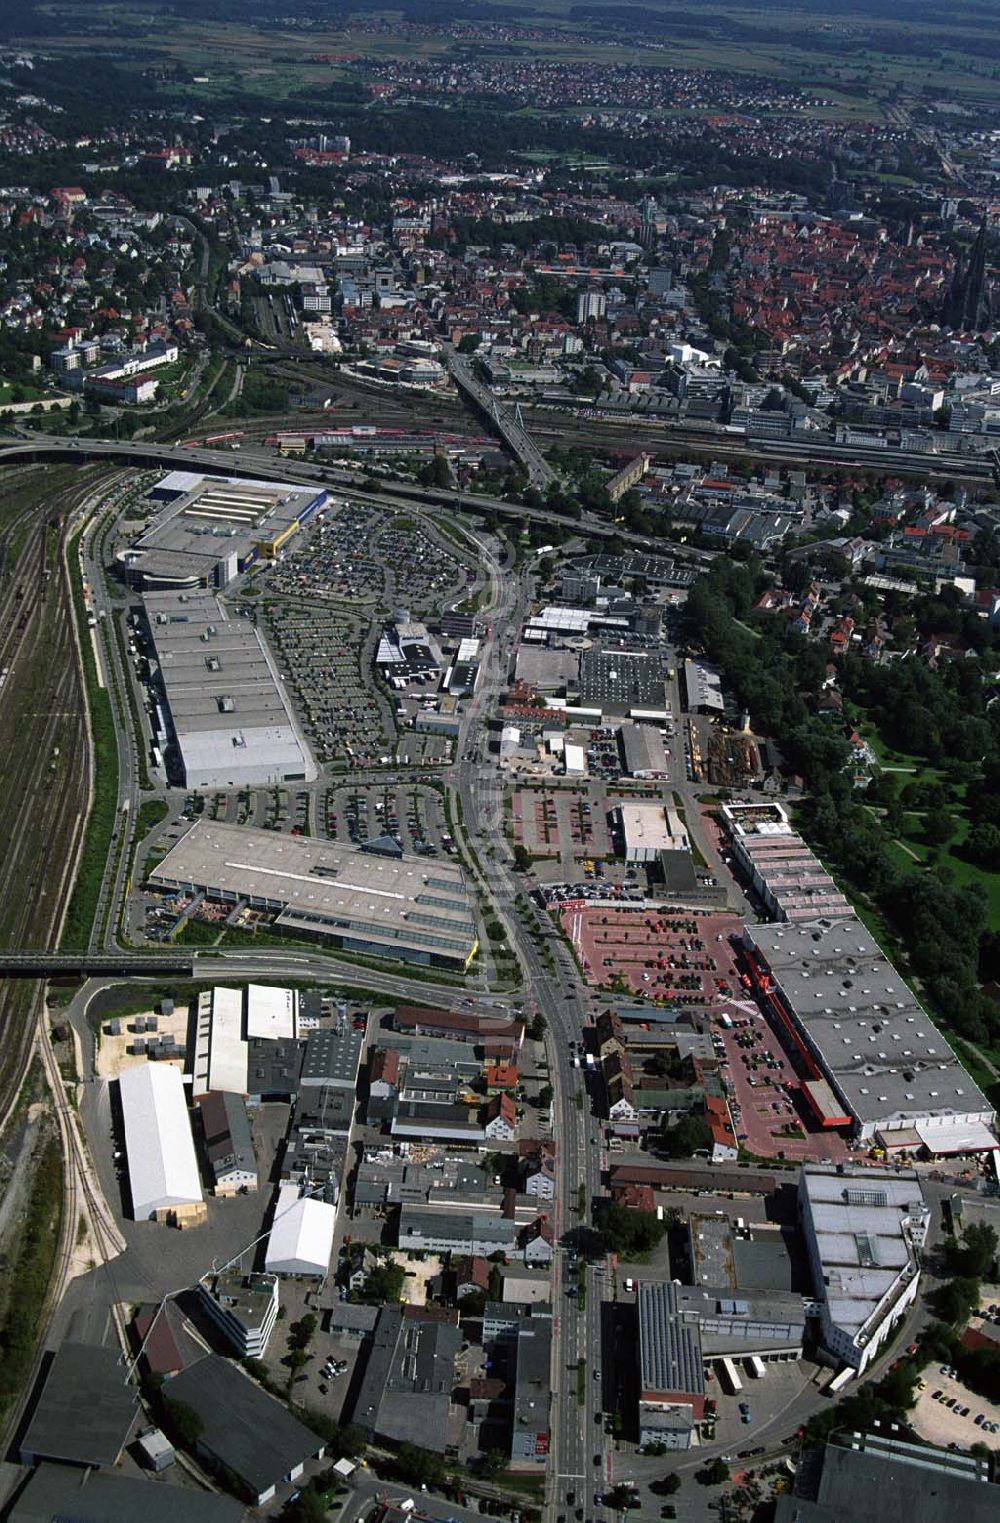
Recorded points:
30,1274
101,822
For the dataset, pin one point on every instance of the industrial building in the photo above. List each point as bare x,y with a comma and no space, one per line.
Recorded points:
301,1238
214,528
406,908
244,1429
228,1142
646,830
229,722
671,1373
85,1410
162,1167
644,754
405,1392
863,1233
787,876
472,1234
57,1493
878,1062
704,688
623,681
220,1046
871,1478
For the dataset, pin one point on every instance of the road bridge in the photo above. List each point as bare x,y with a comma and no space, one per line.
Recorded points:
44,964
511,430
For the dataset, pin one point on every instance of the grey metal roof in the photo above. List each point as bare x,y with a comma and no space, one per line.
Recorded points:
333,1056
409,904
244,1428
882,1051
57,1493
86,1409
870,1480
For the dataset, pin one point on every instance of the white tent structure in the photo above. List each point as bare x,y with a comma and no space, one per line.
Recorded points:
162,1167
301,1239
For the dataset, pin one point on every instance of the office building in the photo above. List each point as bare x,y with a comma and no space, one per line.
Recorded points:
863,1231
244,1307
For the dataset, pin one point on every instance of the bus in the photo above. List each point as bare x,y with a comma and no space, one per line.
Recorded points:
729,1376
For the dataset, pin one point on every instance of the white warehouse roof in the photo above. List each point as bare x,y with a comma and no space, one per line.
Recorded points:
271,1012
301,1239
162,1167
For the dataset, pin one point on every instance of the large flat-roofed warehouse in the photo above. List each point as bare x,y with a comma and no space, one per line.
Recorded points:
880,1063
85,1411
214,528
162,1167
863,1232
406,908
230,718
621,681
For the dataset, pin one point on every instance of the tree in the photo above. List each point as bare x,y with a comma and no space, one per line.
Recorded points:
469,343
419,1467
536,1030
982,845
938,829
621,1498
492,1464
522,858
308,1507
627,1232
383,1283
956,1300
975,1257
670,1484
715,1474
685,1139
185,1422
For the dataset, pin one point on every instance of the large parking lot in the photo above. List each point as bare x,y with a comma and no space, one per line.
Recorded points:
321,653
414,814
561,822
682,956
352,555
771,1117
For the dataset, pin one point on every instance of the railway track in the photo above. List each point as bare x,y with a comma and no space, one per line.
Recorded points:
44,760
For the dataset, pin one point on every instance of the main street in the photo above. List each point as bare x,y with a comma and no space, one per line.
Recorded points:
564,1005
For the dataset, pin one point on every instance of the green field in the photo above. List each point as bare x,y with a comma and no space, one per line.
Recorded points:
862,64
